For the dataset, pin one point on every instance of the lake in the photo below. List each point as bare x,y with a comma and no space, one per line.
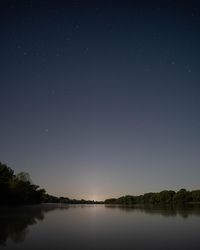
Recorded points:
54,226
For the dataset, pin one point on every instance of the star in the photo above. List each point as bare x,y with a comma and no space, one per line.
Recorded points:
53,92
76,27
86,50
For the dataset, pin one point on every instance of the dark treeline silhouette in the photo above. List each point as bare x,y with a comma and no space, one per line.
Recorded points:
53,199
19,189
163,197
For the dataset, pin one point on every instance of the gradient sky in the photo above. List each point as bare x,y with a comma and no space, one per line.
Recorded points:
101,98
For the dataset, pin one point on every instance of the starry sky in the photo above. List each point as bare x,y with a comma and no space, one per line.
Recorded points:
101,98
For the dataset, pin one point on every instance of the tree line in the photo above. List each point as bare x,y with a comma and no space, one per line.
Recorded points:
19,189
163,197
65,200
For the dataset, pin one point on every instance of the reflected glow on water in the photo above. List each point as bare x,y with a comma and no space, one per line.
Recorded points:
99,227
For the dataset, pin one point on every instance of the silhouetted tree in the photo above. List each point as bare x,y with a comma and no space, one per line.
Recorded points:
195,195
6,175
18,189
164,197
182,196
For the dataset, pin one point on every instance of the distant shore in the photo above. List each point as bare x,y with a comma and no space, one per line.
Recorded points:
17,189
164,197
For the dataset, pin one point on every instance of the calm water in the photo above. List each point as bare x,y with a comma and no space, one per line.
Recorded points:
99,227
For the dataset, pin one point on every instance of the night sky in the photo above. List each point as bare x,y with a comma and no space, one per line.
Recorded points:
101,98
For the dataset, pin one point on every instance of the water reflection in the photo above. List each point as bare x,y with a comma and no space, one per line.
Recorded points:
168,210
14,222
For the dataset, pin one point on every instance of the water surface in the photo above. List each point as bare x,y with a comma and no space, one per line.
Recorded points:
54,226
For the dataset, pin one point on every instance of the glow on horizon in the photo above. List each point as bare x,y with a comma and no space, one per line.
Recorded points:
97,104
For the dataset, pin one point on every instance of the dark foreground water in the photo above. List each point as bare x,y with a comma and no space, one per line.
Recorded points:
99,227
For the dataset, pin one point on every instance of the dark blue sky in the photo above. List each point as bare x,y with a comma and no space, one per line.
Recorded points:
101,98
